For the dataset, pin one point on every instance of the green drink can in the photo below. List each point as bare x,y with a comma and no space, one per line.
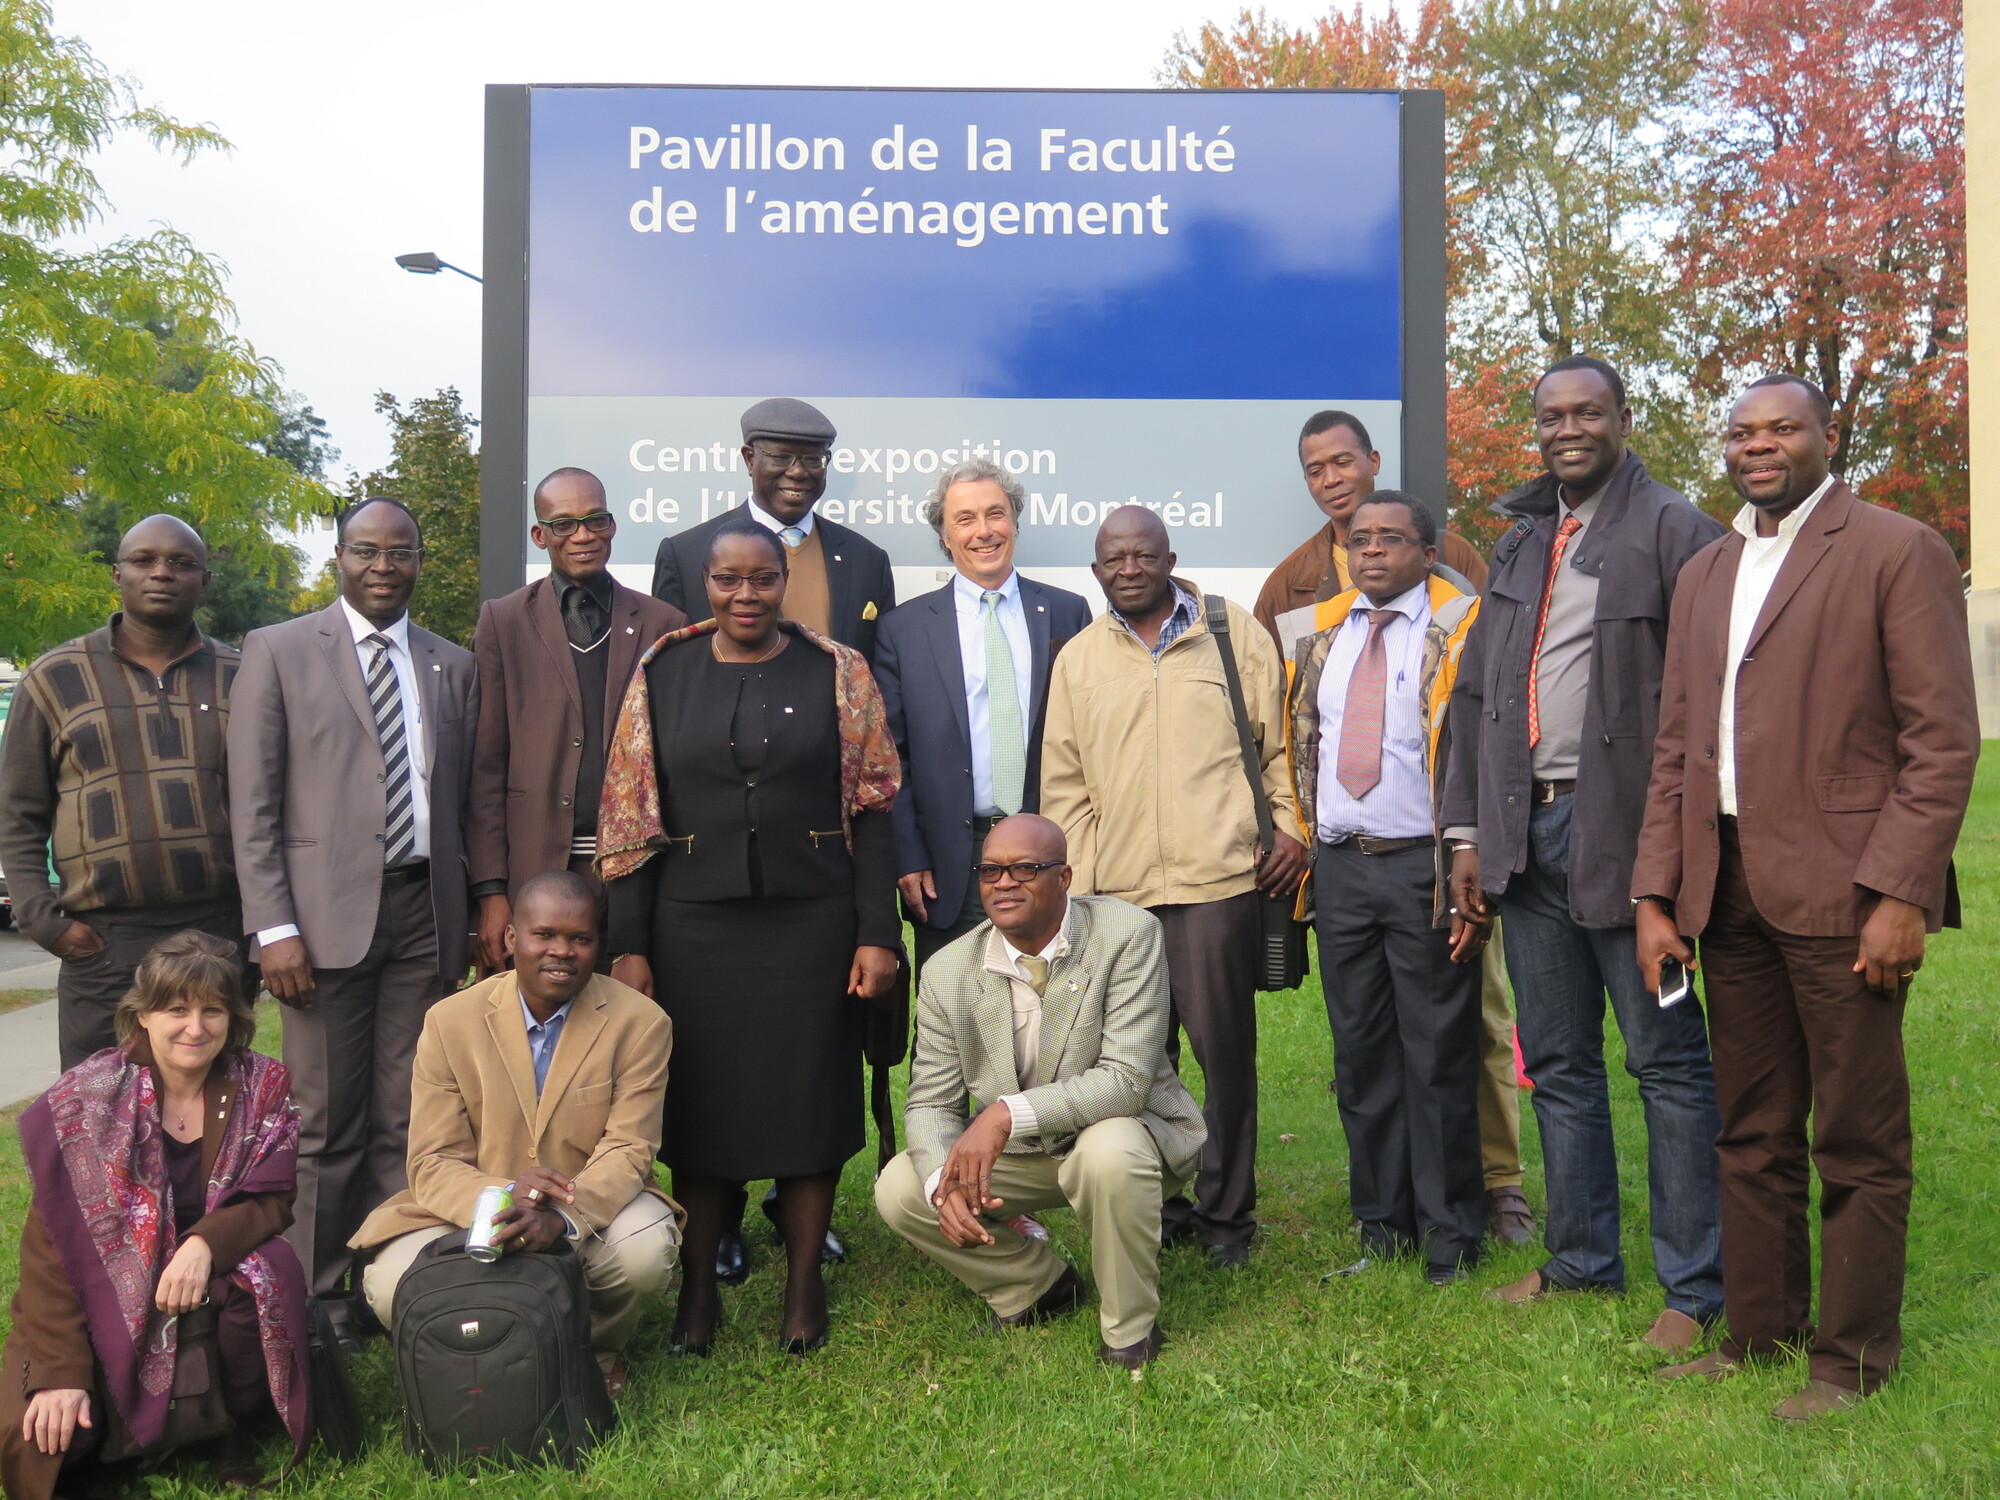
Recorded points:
493,1201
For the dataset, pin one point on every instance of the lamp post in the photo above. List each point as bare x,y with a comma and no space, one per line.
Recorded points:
427,263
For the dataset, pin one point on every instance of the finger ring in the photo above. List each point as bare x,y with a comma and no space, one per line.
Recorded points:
1906,973
533,1195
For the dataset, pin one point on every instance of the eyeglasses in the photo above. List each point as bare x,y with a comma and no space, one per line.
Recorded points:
1387,540
597,523
729,583
368,552
179,562
1023,872
812,463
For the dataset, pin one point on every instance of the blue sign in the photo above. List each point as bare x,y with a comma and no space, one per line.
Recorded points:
1115,295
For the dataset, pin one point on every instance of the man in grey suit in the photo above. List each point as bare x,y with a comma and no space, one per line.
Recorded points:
971,754
1054,1014
350,750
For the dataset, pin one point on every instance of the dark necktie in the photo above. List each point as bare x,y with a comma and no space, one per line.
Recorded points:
385,696
1360,764
583,618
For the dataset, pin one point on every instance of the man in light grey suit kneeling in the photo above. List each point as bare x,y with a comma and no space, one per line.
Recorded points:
1054,1013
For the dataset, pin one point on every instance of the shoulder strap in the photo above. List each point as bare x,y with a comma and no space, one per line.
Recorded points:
1216,610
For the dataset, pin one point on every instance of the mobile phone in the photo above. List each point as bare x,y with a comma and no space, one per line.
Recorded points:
1675,982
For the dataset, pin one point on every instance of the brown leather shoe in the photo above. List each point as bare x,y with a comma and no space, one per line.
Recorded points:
1064,1297
1530,1288
1820,1398
1713,1366
615,1378
1673,1332
235,1463
1134,1356
1508,1217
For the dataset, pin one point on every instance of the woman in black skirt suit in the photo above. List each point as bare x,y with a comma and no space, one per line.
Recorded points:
751,872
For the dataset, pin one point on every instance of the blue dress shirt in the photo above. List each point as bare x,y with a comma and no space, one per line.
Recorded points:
542,1039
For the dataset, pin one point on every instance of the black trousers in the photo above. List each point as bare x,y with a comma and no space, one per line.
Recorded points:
1406,1041
1212,971
933,940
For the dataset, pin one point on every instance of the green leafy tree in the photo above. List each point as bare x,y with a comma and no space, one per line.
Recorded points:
434,469
124,388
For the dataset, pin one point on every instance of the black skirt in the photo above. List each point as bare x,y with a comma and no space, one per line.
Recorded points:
766,1072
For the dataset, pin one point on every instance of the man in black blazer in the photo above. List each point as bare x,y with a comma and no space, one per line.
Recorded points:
840,581
970,756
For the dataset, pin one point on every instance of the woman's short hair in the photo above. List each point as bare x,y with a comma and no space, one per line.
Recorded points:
965,472
745,527
194,966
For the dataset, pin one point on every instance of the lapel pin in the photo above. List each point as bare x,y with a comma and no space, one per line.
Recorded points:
1072,986
628,630
204,708
836,557
1041,609
436,668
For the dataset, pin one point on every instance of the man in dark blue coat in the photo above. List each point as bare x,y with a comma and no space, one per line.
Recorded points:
964,671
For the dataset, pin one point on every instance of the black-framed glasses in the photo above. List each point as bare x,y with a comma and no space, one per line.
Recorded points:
729,583
1022,871
368,552
812,463
597,523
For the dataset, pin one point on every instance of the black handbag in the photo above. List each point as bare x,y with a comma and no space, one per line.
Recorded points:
1283,961
886,1043
195,1411
336,1412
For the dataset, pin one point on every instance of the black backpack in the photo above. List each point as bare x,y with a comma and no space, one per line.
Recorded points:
494,1358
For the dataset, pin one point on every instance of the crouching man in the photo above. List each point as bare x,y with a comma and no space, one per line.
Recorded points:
550,1077
1053,1012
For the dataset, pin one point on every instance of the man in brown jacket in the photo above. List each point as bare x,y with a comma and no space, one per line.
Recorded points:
1816,749
553,660
1143,771
549,1077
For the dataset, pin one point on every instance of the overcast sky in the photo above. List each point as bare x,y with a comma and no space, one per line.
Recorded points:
357,130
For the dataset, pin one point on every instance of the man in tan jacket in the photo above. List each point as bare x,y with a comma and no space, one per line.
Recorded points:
1143,770
552,1078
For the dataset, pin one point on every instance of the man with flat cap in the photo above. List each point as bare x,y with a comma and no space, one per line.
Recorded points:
839,584
840,581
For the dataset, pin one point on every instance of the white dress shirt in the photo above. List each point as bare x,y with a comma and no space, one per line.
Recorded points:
398,636
1001,958
1756,570
771,523
967,598
1399,805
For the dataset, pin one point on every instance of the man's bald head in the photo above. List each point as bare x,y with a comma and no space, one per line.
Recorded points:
1135,523
1135,563
1025,837
161,573
568,490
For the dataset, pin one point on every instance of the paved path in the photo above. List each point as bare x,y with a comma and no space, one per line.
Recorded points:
23,966
28,1035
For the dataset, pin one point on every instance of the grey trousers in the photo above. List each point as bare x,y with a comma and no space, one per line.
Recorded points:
1212,972
88,989
350,1053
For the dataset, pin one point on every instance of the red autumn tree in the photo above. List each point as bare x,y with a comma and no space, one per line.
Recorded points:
1825,233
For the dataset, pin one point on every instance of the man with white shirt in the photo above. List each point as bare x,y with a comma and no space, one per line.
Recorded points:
971,755
841,582
350,748
1367,708
1818,734
1053,1016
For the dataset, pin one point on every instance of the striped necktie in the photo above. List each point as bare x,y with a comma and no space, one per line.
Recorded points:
1007,751
1359,767
793,537
385,696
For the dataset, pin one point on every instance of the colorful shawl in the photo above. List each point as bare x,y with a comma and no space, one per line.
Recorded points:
93,1145
629,826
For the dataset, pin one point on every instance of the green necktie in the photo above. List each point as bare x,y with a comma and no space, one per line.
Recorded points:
1007,749
1038,972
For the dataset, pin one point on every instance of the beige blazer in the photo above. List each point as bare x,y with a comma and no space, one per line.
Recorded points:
476,1121
307,804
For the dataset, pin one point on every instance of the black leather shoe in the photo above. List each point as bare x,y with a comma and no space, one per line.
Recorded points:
732,1258
1229,1257
1134,1356
1445,1275
803,1347
235,1463
1064,1297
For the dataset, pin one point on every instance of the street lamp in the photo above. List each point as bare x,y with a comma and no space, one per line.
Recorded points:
426,263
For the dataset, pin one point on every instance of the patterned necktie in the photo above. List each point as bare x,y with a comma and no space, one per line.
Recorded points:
1007,751
792,537
1360,763
583,620
1038,972
1569,528
386,698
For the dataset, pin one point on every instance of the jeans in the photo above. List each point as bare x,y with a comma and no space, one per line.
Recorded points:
1561,974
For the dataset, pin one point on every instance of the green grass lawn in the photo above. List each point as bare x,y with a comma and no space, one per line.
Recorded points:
1276,1384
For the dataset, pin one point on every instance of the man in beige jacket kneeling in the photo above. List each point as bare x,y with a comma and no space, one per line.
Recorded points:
550,1077
1053,1013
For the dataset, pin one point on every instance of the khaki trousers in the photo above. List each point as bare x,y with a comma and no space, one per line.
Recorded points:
1499,1096
1112,1177
626,1269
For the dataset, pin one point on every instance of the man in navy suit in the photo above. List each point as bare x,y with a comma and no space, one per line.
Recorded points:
964,672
